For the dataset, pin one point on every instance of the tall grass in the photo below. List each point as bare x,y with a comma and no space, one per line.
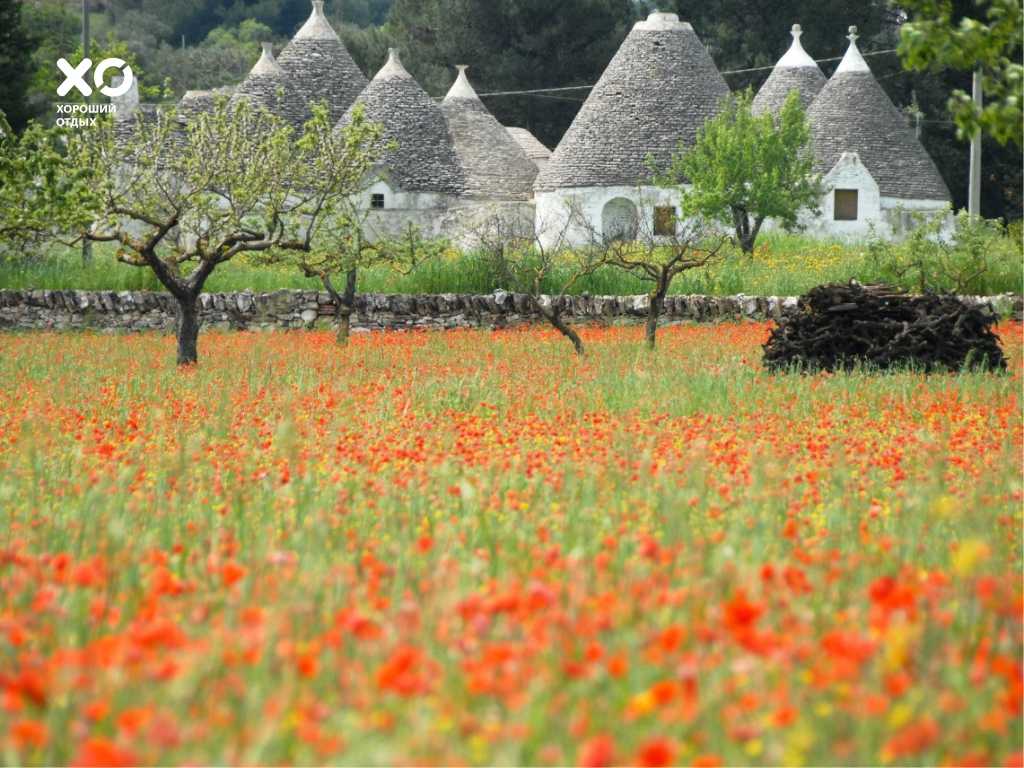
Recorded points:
784,264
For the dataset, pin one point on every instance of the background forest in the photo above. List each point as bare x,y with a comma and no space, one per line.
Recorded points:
511,45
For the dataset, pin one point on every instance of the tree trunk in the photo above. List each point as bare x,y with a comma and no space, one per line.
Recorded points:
654,310
344,305
554,316
344,316
741,221
188,330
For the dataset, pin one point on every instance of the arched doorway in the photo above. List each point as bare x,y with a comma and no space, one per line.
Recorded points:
619,220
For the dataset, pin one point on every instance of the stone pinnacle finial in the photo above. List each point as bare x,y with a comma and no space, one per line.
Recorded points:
267,64
853,61
318,7
796,56
461,89
392,67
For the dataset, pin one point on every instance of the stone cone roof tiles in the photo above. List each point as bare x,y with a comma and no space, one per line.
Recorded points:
796,71
320,68
493,164
425,158
659,90
853,114
531,145
267,86
195,103
126,126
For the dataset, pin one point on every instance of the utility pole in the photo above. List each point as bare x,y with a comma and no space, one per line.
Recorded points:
974,191
86,244
85,29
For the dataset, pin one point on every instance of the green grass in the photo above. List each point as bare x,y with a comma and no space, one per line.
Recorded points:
783,265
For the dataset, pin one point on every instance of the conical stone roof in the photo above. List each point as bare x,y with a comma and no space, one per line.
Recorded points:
853,114
193,104
493,165
267,86
796,71
425,159
658,91
320,68
531,145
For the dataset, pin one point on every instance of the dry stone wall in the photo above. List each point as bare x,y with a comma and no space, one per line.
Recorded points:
148,311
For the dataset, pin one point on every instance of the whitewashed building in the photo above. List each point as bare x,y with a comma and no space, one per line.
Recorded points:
421,177
875,170
655,95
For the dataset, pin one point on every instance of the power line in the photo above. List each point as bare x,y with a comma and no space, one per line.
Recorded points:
538,91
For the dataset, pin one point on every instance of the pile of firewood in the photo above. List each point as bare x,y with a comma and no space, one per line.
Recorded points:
840,326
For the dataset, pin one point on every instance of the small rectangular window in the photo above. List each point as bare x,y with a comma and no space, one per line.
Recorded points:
664,221
846,205
377,200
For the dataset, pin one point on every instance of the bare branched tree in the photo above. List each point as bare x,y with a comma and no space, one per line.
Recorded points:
182,203
657,249
543,267
660,259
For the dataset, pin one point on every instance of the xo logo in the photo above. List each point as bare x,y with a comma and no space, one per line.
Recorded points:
74,77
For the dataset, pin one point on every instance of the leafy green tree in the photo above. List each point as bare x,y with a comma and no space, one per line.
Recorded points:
40,195
990,39
15,64
337,242
181,205
745,169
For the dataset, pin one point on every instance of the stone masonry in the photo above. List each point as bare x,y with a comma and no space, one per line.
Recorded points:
152,311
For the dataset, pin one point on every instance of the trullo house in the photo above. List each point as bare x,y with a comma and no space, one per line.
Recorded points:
319,68
655,95
875,170
420,177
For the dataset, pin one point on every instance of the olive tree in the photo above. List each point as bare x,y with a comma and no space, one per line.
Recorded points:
183,202
745,169
658,259
526,257
329,240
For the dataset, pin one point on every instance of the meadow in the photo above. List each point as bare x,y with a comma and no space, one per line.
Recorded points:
473,548
783,265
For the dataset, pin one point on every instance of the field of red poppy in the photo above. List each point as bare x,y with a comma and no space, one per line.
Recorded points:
471,548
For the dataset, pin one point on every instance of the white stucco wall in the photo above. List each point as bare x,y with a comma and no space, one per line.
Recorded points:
467,222
423,210
849,173
586,205
877,216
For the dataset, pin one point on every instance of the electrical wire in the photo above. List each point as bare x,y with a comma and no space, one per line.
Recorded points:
538,91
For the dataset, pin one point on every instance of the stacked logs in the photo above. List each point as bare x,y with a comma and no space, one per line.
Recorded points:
841,326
